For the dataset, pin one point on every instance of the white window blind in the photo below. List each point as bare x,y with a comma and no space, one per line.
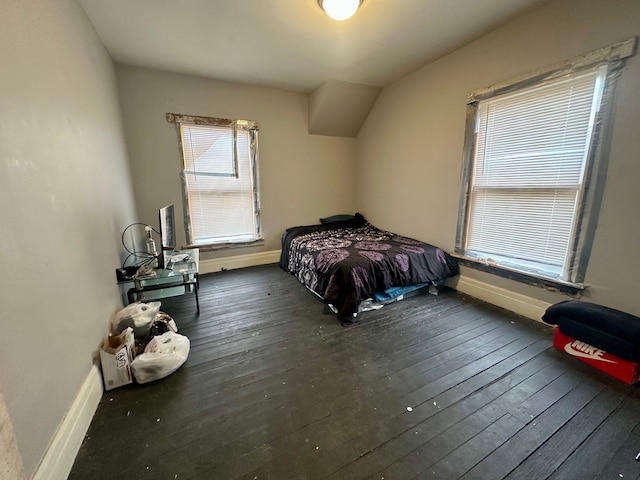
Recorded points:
220,183
531,148
208,150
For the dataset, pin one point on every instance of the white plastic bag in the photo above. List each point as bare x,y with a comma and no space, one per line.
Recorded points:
138,316
162,356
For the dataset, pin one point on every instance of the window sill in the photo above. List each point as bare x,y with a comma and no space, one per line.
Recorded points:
212,247
572,289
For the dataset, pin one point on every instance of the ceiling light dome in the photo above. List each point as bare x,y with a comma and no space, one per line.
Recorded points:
340,9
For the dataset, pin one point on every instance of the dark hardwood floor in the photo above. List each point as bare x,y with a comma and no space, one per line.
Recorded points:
438,387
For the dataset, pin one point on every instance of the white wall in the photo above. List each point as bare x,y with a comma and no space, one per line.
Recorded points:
410,149
302,176
66,195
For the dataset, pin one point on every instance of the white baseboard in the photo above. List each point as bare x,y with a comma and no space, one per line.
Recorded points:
501,297
238,261
58,460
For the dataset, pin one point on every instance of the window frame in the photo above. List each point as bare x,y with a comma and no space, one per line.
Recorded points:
591,193
182,120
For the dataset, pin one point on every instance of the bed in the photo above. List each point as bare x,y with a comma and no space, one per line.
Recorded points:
346,261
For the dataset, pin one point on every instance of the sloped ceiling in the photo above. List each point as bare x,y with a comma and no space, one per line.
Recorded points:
339,108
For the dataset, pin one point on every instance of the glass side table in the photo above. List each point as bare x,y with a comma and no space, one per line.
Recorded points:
180,276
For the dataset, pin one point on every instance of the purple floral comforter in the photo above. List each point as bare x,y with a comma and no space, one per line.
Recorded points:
346,265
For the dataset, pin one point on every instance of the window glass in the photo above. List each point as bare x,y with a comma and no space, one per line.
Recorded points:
535,163
531,147
220,183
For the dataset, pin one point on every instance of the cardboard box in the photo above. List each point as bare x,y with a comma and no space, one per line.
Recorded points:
625,370
116,354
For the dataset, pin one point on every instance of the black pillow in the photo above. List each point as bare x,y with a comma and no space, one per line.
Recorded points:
337,218
356,222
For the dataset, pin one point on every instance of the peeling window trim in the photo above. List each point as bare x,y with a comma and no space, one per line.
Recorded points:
211,121
575,290
616,51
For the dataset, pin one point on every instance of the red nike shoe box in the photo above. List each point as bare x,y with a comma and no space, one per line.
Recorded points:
625,370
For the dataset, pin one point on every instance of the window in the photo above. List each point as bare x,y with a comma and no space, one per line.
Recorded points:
535,164
219,179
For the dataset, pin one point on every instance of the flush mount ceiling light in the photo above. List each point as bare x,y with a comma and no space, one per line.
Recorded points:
340,9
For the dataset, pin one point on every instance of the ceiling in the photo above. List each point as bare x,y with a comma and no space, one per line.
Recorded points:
292,44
